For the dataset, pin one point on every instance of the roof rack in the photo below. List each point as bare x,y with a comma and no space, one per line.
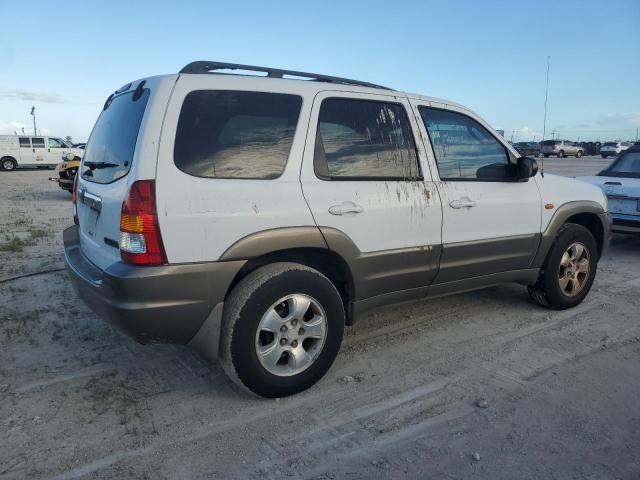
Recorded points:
209,67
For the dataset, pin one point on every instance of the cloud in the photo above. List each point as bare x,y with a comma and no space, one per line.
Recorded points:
7,128
32,96
628,119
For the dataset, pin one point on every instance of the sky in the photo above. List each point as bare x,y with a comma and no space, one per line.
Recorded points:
489,55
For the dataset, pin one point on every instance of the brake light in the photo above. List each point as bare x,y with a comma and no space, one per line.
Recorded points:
140,240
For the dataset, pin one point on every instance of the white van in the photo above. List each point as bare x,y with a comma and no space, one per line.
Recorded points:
33,151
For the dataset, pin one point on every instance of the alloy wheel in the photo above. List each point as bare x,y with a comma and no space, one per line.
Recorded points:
291,334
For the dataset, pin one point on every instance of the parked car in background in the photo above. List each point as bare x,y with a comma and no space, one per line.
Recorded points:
253,217
620,181
531,149
561,148
613,149
33,151
80,145
590,148
66,171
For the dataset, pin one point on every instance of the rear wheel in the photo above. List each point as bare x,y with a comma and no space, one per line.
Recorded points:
282,329
569,269
561,154
8,164
579,154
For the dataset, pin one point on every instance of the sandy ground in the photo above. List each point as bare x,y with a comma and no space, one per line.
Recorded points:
80,400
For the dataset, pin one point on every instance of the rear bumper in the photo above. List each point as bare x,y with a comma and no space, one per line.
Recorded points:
163,304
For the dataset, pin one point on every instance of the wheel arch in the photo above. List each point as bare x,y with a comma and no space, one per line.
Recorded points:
303,245
587,213
9,157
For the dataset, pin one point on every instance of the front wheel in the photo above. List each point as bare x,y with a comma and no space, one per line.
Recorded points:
603,155
569,269
561,154
8,164
579,154
282,328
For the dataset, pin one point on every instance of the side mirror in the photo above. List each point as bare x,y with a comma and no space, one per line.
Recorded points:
527,167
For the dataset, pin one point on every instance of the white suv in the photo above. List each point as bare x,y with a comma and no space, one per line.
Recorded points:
254,217
613,149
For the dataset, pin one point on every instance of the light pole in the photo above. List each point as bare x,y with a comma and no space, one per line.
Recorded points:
33,113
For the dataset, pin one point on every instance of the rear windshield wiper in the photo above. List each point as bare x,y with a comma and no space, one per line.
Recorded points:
94,165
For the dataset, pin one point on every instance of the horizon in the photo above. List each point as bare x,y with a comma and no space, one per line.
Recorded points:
490,57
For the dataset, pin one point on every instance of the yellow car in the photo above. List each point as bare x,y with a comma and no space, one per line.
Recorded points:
67,170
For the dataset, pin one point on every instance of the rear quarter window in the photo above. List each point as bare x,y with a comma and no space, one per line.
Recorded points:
236,134
110,148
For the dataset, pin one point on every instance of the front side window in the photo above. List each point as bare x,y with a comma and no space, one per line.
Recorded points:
55,143
25,142
37,142
236,134
464,149
364,139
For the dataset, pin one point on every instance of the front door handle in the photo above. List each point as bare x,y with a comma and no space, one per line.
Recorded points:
464,202
345,208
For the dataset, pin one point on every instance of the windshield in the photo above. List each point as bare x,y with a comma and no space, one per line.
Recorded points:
610,144
110,148
628,163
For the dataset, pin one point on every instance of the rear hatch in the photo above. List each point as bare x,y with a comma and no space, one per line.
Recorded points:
102,184
549,145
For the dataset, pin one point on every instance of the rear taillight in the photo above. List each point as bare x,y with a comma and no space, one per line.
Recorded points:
74,199
140,241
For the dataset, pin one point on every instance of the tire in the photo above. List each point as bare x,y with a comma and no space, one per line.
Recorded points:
549,291
258,297
579,154
8,164
546,155
561,154
603,156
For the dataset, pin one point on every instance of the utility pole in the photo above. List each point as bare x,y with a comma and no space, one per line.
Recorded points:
636,135
513,132
33,113
553,134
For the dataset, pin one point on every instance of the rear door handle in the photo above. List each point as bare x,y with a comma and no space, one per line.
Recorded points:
464,202
345,208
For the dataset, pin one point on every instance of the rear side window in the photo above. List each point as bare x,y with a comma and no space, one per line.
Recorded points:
112,143
364,140
37,142
25,142
236,134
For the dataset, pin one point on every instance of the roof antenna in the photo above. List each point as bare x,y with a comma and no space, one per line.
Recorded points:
544,124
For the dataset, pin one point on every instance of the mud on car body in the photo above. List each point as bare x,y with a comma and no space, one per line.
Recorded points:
254,217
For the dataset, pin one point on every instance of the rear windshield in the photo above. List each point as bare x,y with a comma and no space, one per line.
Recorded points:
110,148
628,163
551,142
236,134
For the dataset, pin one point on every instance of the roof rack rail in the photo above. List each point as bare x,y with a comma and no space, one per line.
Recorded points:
209,67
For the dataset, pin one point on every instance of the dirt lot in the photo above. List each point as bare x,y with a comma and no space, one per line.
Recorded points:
78,399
